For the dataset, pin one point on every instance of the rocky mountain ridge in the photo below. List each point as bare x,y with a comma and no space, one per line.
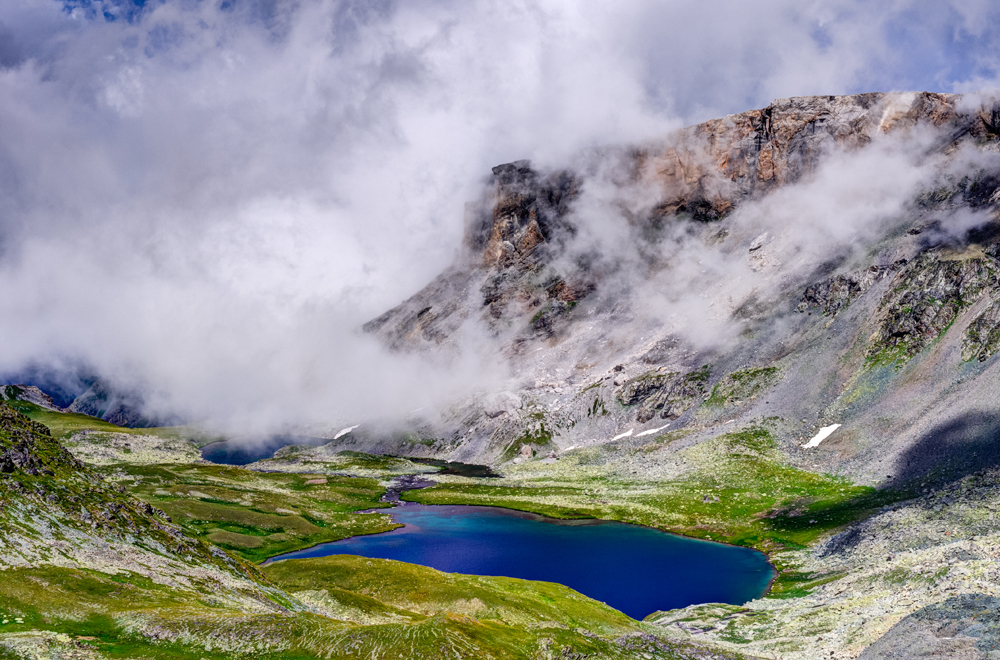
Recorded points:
840,339
701,173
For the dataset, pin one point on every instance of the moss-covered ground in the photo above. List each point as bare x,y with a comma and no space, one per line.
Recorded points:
357,608
427,592
64,424
257,515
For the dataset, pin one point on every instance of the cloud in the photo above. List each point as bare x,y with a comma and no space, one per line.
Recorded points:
205,200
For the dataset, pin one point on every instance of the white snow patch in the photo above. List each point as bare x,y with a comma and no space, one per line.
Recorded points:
622,435
651,431
343,432
823,434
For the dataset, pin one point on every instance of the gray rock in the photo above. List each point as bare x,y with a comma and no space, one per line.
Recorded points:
501,403
965,627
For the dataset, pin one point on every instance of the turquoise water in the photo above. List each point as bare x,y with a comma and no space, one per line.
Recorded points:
634,569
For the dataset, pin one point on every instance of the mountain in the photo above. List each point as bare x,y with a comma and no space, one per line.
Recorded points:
29,393
119,407
777,329
737,276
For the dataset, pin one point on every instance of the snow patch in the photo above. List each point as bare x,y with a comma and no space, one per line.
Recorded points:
343,432
622,435
823,434
651,431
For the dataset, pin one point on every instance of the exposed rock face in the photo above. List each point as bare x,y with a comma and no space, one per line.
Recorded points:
965,627
839,291
982,338
528,213
664,394
928,295
703,172
28,393
708,169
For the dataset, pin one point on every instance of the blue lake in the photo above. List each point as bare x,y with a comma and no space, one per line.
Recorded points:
634,569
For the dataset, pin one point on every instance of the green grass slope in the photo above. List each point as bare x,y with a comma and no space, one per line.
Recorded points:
428,592
256,515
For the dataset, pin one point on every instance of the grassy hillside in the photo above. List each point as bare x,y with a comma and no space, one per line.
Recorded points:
257,515
88,571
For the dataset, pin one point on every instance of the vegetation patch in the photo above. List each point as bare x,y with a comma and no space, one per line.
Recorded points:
61,612
62,424
429,592
741,386
257,515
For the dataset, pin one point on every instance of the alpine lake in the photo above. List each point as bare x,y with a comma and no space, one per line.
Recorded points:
636,570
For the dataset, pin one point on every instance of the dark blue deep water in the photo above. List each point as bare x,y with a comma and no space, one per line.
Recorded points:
244,451
634,569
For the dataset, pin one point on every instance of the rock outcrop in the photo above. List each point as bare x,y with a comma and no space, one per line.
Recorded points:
965,627
664,394
28,393
927,297
46,493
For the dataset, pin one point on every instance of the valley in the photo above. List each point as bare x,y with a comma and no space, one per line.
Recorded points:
777,330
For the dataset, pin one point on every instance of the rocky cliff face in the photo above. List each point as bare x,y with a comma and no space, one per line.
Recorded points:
703,173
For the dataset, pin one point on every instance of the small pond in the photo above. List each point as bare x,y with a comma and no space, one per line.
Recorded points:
245,451
634,569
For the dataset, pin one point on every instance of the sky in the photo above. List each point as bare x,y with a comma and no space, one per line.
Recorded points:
204,200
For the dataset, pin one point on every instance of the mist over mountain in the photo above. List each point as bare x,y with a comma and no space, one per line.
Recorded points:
205,203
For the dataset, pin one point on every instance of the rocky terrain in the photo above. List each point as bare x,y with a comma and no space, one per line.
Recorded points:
887,336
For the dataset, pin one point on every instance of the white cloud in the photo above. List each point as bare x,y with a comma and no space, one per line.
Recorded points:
211,201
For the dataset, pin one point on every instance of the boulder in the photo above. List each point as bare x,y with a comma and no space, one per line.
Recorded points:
501,403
